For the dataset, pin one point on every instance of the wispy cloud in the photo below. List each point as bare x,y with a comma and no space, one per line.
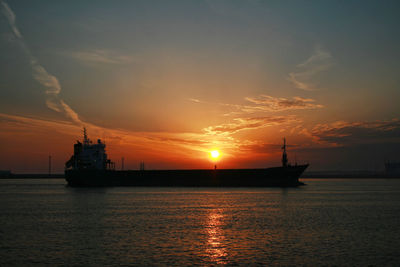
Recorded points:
260,147
241,124
266,103
40,74
305,72
9,14
156,143
100,56
146,141
195,100
269,103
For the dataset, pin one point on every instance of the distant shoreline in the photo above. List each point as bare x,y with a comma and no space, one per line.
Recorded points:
350,177
307,175
349,174
33,176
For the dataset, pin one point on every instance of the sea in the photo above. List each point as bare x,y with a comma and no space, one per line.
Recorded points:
328,222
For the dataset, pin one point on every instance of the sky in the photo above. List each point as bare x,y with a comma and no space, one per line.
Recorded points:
166,82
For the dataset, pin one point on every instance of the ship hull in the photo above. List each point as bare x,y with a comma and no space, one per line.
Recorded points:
276,176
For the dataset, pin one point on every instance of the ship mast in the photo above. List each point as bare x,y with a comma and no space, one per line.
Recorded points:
284,155
86,140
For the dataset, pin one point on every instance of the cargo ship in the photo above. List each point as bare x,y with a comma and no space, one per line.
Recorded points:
89,166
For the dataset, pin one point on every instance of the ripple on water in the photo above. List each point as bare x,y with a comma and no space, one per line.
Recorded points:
328,222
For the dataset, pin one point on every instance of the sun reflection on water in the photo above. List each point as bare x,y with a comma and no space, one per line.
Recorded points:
216,248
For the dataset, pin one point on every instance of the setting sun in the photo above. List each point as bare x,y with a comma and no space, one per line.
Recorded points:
215,154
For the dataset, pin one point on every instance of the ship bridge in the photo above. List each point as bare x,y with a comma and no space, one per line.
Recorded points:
89,155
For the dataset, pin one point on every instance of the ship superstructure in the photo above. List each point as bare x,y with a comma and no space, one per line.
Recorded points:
89,156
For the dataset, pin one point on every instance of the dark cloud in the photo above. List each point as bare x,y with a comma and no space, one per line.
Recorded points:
350,157
347,133
266,103
240,124
269,103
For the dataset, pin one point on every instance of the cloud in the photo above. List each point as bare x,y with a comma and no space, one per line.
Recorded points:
9,14
303,77
157,142
266,103
53,87
40,74
349,133
269,103
241,124
262,147
70,113
195,100
150,142
160,150
101,56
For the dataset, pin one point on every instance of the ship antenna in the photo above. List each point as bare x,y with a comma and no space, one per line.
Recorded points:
85,138
284,155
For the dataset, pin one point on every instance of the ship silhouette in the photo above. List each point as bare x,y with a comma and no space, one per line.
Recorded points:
89,166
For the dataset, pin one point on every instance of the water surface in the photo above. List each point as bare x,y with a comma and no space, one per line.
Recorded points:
328,222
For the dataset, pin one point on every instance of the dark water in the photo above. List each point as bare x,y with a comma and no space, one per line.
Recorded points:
328,222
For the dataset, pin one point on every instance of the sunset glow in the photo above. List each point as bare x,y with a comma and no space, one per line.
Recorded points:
199,132
164,82
215,154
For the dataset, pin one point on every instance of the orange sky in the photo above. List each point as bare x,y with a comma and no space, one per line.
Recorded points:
167,82
32,140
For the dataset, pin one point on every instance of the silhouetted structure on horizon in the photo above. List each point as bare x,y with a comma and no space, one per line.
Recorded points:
392,168
89,166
